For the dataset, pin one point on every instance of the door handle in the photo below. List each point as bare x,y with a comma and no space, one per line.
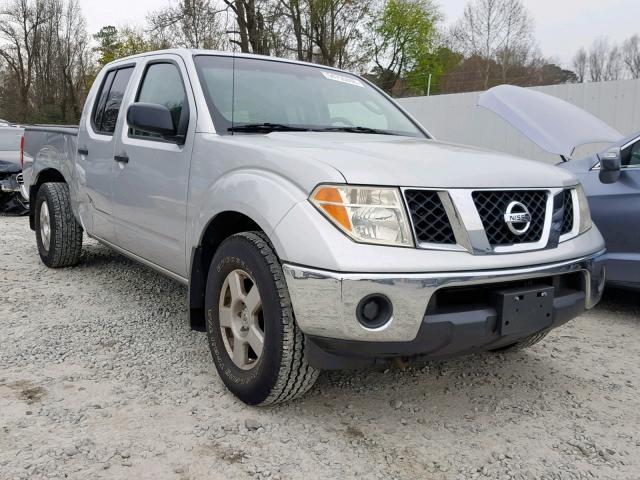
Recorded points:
83,151
121,159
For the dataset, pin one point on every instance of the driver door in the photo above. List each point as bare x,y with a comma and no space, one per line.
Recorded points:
150,185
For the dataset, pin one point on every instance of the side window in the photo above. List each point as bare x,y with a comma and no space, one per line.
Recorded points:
107,107
162,85
101,99
634,157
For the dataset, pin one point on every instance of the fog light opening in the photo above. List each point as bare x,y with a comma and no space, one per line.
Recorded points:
374,311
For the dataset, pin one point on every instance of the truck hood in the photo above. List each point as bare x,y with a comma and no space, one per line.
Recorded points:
551,123
410,162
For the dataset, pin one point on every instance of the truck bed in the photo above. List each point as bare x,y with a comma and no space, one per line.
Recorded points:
49,147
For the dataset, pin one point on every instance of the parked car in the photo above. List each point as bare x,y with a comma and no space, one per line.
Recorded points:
316,224
611,179
13,195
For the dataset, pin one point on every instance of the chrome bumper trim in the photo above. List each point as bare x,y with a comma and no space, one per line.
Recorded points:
325,302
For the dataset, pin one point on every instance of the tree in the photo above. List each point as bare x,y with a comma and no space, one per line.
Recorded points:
604,61
251,33
108,44
21,22
189,24
581,64
631,55
335,30
114,43
499,31
404,34
296,14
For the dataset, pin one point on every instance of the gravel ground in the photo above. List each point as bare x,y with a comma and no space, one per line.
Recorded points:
100,377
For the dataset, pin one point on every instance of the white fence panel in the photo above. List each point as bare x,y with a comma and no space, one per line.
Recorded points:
457,118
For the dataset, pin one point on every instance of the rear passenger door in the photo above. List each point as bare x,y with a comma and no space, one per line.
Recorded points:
151,182
96,143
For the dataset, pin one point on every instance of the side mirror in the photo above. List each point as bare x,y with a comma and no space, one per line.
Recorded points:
610,165
151,118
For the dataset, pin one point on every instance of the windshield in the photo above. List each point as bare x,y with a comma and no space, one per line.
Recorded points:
258,96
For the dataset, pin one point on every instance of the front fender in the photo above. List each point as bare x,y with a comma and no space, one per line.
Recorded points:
263,196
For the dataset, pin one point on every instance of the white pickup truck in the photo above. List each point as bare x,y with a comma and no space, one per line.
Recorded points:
317,225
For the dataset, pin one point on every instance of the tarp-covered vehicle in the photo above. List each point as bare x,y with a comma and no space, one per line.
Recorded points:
13,196
611,179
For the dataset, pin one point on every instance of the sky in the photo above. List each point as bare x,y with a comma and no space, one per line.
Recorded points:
562,26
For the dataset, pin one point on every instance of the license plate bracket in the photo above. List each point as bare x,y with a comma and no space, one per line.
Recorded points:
524,309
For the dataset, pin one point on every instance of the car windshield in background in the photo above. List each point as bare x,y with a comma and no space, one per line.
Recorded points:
263,96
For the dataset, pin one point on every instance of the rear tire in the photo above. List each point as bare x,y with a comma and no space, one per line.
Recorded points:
524,343
58,234
276,371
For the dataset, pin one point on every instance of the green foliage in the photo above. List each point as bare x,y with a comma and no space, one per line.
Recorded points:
114,44
437,64
404,37
108,44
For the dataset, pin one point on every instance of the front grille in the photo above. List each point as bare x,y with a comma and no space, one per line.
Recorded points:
430,221
492,206
567,218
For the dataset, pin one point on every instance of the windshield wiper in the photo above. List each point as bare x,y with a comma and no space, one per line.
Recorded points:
266,127
354,129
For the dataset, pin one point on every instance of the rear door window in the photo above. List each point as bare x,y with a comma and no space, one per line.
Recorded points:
110,100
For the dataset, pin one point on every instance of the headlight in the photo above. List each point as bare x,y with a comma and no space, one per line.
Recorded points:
585,213
367,214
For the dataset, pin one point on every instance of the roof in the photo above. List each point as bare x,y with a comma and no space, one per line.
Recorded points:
188,53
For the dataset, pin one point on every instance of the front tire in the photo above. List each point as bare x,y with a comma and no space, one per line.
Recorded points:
256,345
58,234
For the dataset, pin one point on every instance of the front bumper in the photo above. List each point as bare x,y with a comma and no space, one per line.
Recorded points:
325,305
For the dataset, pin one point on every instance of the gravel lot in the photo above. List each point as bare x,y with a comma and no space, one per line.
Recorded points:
100,377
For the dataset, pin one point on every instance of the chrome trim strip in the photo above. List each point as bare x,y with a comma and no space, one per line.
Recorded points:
470,222
546,230
141,260
576,218
324,302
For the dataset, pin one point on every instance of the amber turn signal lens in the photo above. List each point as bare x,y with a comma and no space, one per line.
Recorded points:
330,200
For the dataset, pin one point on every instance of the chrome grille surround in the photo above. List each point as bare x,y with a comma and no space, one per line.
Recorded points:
469,229
492,204
567,218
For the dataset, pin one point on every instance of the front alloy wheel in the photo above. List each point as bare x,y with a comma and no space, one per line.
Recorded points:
241,319
256,345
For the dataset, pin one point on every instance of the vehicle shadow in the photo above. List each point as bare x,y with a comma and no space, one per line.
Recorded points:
621,300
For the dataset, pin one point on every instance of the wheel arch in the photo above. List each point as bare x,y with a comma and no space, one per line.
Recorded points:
219,228
45,176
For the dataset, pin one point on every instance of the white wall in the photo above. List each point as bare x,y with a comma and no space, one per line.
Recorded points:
457,118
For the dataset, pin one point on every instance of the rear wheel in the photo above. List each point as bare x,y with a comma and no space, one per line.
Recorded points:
256,345
58,234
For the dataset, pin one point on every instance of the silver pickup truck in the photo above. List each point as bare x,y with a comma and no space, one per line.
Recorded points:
316,224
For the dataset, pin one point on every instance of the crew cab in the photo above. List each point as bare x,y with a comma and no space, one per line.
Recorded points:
316,224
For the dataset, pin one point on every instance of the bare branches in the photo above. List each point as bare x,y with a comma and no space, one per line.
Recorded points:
631,55
495,30
581,64
45,45
189,24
